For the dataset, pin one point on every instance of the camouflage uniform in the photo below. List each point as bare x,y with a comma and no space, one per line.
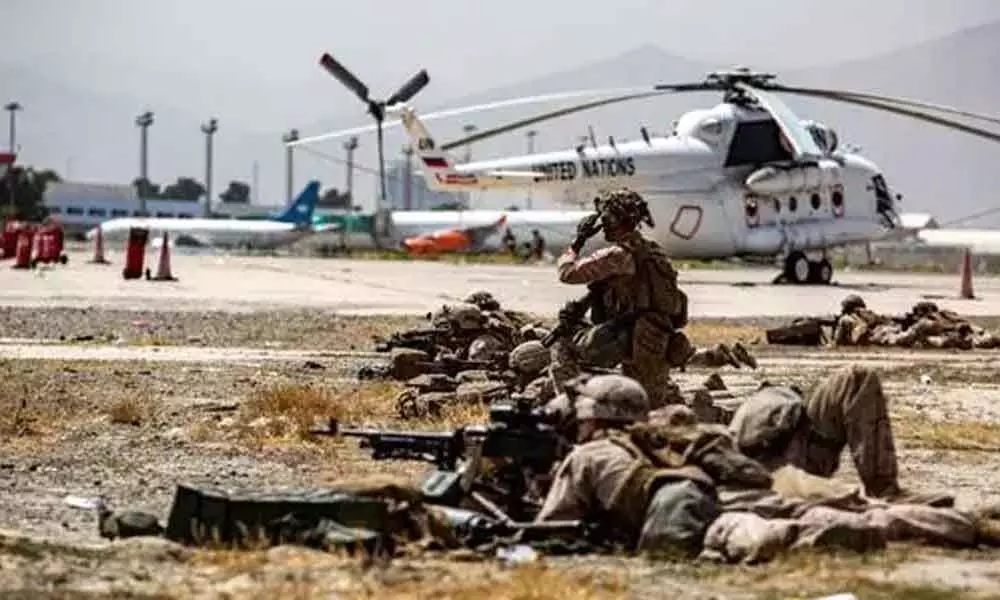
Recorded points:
857,325
721,355
597,478
631,332
779,426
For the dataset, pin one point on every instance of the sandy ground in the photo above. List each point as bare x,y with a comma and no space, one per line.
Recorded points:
147,390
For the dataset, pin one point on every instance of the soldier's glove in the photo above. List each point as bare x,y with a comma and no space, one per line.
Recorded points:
586,229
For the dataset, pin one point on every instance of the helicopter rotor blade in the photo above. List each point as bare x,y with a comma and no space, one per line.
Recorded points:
345,77
906,112
893,100
555,114
487,106
410,88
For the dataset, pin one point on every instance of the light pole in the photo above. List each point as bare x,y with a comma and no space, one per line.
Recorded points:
531,150
291,136
143,122
209,130
350,146
12,108
408,178
468,129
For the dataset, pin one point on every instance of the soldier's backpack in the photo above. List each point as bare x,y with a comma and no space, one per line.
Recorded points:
801,332
659,284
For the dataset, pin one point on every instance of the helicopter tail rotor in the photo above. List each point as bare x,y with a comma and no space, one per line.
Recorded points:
376,108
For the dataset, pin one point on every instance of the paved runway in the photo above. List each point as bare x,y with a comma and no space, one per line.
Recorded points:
398,287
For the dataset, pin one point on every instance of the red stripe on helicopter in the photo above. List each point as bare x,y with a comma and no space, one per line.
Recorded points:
435,162
456,178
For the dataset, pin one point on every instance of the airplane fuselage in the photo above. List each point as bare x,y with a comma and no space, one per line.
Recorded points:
223,233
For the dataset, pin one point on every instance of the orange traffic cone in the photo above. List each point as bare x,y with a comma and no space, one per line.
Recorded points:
163,268
99,258
966,289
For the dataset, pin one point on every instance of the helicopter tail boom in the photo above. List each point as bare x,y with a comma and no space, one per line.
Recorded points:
439,168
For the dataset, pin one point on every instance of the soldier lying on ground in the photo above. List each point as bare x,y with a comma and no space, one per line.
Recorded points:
682,487
925,326
721,355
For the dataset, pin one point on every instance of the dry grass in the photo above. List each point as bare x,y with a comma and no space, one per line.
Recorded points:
292,410
920,432
706,332
27,410
535,581
133,409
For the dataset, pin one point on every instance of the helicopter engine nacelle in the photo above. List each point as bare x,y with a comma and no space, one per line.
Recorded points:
825,137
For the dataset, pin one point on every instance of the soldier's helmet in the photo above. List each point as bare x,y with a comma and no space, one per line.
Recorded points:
622,208
925,308
462,316
852,302
486,348
529,358
611,398
483,299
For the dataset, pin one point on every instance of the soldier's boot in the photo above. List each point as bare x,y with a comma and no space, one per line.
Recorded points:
988,532
714,383
743,355
703,407
900,495
728,355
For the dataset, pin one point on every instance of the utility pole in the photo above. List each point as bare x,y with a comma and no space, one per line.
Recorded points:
350,146
531,150
408,178
468,129
143,122
12,108
291,136
209,130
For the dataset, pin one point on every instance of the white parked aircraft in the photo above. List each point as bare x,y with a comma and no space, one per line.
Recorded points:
290,226
745,178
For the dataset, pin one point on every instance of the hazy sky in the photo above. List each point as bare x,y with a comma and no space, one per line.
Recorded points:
210,57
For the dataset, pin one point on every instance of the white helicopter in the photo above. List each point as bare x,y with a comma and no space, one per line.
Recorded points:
745,178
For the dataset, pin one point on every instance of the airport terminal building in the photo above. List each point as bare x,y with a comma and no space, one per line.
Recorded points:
82,206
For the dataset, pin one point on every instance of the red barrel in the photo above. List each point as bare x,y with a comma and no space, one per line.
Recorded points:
22,254
135,252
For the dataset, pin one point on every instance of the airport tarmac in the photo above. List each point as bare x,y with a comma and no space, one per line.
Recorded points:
239,283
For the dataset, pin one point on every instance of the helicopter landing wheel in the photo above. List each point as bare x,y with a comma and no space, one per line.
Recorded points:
821,272
797,268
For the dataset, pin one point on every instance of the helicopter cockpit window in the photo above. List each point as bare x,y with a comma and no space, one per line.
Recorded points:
755,143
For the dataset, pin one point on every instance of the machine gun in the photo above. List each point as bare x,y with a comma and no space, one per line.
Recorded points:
499,460
427,340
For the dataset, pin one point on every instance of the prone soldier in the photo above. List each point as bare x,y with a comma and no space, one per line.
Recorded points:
678,486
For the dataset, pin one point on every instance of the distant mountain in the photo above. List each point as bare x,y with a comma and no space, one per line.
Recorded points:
940,171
